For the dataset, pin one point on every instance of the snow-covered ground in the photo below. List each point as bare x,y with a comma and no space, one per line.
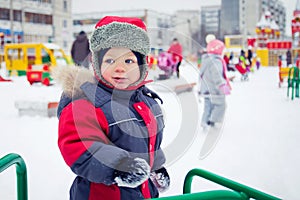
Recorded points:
258,147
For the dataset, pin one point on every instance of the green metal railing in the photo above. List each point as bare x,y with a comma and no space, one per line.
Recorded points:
237,192
9,160
294,82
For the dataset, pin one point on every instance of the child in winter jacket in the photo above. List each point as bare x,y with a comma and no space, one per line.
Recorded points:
214,84
110,124
176,50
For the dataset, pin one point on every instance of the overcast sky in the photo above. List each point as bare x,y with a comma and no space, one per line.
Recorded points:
167,6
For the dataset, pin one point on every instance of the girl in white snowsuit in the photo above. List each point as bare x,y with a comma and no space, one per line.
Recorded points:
214,84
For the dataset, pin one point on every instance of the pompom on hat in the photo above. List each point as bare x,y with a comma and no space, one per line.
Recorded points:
126,32
215,47
209,38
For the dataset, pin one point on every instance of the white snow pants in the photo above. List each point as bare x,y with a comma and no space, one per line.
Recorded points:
214,109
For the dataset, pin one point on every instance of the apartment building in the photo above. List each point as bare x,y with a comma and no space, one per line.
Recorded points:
210,22
36,21
187,30
241,16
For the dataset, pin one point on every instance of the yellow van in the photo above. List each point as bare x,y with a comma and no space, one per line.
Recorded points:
18,57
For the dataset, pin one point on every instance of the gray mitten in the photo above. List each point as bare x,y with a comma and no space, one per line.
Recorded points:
161,179
132,172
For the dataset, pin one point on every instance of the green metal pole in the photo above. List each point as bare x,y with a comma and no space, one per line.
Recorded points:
293,83
9,160
243,189
209,195
289,81
297,77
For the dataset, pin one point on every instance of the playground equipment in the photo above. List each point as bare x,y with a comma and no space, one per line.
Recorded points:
4,79
36,108
184,87
283,74
9,160
19,56
39,73
152,61
293,82
237,191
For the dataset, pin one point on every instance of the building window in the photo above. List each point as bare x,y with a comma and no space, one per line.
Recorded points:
17,15
38,18
77,22
4,14
65,23
65,44
159,34
65,5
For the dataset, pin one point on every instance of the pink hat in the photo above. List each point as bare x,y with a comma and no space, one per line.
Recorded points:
215,47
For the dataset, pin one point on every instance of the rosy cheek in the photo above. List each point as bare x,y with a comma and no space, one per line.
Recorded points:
103,68
105,72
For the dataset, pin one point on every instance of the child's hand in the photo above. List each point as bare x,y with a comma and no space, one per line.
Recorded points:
132,172
161,179
225,89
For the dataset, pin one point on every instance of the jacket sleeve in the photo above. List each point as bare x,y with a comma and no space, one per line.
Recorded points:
159,158
216,72
84,145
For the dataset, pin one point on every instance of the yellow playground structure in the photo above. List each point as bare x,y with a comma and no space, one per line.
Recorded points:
19,56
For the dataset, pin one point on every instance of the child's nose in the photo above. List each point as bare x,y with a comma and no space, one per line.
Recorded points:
119,67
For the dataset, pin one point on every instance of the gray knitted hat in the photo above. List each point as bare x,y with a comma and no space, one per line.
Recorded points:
113,31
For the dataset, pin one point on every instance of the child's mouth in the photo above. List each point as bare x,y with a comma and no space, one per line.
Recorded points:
119,79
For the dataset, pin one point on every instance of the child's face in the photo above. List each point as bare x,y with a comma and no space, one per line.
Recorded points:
120,67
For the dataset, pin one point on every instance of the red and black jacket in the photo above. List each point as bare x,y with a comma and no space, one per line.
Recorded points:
101,128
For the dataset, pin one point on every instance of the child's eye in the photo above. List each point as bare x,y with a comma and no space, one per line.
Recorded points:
129,61
109,61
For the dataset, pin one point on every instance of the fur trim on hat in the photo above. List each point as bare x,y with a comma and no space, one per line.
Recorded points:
120,34
71,78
